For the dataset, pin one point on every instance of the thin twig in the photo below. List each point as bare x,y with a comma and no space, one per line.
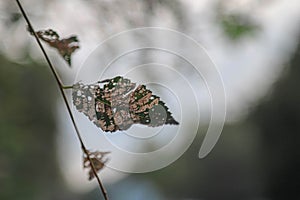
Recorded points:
66,87
61,88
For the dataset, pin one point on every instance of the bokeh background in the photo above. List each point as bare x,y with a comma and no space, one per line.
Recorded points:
254,44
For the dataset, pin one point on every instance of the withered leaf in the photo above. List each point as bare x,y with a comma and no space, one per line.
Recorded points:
119,104
98,160
65,46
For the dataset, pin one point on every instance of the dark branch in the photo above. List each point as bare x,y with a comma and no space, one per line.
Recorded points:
61,88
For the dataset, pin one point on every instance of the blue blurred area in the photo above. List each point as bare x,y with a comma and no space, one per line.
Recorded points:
135,189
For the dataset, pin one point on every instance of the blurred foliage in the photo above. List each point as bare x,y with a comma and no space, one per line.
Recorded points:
137,13
13,18
28,167
237,26
278,120
257,158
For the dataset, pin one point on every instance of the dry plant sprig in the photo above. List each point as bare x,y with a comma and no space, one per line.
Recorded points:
61,88
65,46
98,159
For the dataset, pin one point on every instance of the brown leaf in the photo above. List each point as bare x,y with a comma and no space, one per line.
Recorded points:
98,161
65,46
119,104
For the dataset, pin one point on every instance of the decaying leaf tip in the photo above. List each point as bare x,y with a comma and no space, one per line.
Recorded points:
65,46
98,159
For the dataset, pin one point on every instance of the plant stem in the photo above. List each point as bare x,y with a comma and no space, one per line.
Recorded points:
61,88
65,87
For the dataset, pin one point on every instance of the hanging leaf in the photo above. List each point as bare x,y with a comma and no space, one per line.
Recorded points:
98,160
65,46
119,104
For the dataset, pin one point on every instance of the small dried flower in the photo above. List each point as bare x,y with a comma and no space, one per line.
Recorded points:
98,160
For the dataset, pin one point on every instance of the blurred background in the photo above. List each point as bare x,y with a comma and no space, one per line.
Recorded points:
255,46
